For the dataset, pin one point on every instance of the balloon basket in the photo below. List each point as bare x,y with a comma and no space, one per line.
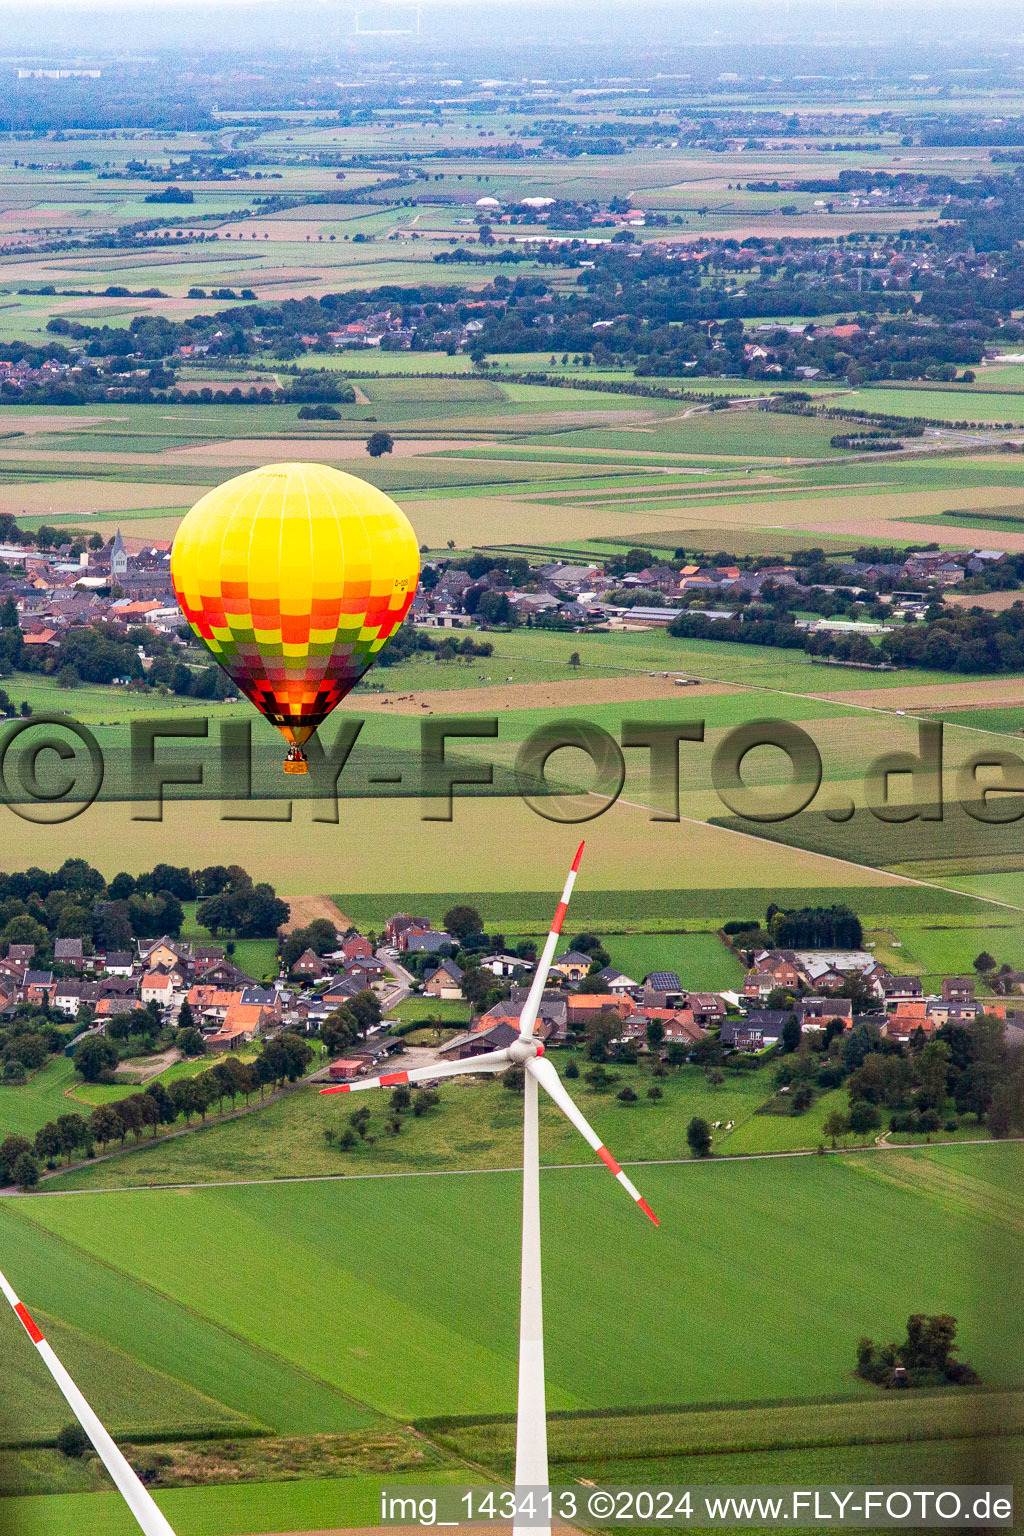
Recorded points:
296,765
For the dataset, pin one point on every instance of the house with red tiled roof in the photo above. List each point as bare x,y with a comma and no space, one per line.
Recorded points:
584,1006
157,987
241,1022
909,1016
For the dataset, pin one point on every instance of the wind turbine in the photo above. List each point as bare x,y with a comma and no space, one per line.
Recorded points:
141,1503
528,1053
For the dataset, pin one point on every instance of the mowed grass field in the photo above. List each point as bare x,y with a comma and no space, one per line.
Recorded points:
336,1248
700,959
123,1316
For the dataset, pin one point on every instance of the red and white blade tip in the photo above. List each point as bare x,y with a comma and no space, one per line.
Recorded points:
386,1080
563,905
28,1323
626,1183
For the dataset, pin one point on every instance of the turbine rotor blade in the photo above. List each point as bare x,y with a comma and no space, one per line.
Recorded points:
491,1061
150,1517
528,1017
549,1080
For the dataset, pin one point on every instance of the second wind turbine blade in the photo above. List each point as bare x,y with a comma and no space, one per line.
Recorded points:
550,1081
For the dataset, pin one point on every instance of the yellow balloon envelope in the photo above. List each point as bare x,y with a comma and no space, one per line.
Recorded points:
294,577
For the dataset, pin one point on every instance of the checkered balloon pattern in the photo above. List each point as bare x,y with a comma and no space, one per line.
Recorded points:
294,577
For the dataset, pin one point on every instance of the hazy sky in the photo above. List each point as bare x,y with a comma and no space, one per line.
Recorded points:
39,27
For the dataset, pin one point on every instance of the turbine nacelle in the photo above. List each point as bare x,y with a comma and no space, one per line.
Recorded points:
524,1049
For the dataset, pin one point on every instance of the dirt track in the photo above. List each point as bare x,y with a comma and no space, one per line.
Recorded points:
576,690
982,693
306,909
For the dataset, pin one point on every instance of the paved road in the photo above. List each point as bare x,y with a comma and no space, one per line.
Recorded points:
404,978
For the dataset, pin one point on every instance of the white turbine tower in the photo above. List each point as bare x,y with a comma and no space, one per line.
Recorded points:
528,1053
138,1499
531,1420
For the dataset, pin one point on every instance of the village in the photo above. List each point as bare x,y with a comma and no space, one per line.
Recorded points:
58,587
185,988
654,593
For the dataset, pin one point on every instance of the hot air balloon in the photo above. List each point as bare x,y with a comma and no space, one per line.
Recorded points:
294,577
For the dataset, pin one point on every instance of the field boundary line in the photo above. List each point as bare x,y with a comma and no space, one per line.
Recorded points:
721,1160
206,1321
874,869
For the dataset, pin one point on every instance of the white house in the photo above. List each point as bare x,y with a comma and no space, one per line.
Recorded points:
68,997
157,987
504,965
117,962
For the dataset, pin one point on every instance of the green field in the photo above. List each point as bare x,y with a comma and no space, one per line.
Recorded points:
334,1249
643,911
132,1398
24,1109
948,950
701,959
140,1319
577,1441
940,404
790,1133
478,1125
263,1508
415,1008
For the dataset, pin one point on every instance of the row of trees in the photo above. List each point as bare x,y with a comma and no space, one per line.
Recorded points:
966,641
407,641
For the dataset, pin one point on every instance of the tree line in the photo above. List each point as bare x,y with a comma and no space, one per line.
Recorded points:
76,901
283,1059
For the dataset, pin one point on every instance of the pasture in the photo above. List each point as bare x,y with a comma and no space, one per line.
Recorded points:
701,959
337,1246
24,1109
477,1126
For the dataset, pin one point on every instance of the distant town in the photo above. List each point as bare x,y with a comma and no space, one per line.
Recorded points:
84,609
